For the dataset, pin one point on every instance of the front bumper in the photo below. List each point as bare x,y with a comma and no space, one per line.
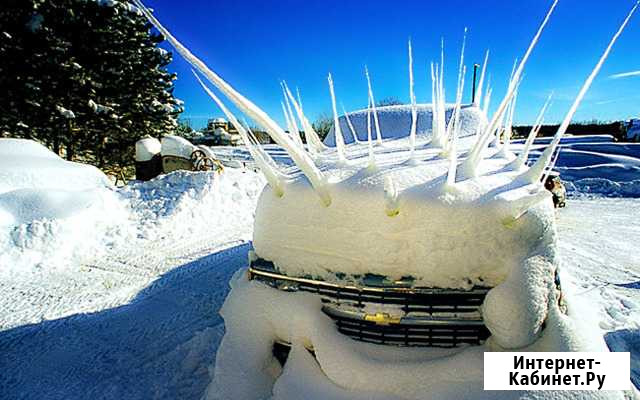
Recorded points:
392,314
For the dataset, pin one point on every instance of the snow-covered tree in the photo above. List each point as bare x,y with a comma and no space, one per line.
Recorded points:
84,76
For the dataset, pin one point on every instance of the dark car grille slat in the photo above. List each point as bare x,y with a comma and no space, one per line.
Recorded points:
432,317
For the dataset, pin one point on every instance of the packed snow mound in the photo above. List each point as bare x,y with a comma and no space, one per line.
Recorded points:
184,203
347,369
395,122
25,164
53,225
26,205
51,210
399,220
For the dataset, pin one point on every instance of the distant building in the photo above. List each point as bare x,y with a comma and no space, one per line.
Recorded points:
220,132
223,133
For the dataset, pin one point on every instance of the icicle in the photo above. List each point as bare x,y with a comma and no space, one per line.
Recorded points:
538,169
453,148
295,132
298,96
439,124
451,124
442,112
299,156
272,175
433,94
524,154
349,124
470,165
258,147
478,98
287,121
312,137
514,209
414,111
373,105
336,123
508,127
372,160
487,101
390,197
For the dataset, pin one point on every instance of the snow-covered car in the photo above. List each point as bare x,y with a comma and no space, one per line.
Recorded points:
180,154
172,153
441,243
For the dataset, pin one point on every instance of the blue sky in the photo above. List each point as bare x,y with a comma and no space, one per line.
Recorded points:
255,44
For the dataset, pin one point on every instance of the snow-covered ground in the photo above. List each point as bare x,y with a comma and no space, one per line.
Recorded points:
122,300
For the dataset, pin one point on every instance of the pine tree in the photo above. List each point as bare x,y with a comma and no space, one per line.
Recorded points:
86,77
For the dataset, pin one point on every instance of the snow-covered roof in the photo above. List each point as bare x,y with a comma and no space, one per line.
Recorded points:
395,122
176,146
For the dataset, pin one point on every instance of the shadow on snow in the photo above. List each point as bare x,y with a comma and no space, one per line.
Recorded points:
159,345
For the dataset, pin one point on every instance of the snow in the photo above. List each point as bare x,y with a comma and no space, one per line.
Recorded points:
38,190
397,209
245,367
140,318
595,164
395,122
147,148
176,146
25,164
65,113
354,235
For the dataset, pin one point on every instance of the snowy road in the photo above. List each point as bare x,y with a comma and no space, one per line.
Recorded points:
159,343
598,243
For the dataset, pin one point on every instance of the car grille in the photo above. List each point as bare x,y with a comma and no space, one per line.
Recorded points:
404,316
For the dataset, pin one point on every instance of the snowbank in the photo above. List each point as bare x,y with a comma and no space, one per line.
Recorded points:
52,210
395,122
185,203
55,213
25,164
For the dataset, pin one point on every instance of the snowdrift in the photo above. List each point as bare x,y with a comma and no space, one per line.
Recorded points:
595,164
51,210
55,213
25,164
